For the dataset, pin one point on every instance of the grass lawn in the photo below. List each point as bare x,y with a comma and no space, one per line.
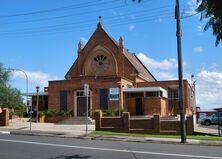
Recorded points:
194,137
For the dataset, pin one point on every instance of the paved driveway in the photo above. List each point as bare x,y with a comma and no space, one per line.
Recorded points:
23,124
212,129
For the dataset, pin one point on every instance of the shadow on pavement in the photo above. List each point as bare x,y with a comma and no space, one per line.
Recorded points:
70,157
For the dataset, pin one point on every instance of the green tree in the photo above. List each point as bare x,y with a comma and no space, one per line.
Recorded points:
4,75
211,10
9,97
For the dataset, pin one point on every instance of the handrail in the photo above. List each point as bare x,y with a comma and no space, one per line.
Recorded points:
87,112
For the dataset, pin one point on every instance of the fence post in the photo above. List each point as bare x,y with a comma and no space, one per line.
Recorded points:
156,123
190,125
126,121
98,116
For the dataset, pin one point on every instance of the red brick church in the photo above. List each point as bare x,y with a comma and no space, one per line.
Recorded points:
116,78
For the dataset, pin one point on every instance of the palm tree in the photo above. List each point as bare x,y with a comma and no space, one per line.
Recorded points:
211,10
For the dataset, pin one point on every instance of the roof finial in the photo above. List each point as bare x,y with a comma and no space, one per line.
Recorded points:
121,41
100,22
79,46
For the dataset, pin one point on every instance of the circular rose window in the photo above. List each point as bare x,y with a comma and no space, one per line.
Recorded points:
100,63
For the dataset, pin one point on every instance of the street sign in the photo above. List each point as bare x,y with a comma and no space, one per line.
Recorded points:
86,94
114,93
86,90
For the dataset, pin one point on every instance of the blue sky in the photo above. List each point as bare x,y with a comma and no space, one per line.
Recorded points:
44,42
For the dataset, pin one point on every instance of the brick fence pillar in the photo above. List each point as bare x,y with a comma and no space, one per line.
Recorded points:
190,125
156,123
4,118
126,121
98,116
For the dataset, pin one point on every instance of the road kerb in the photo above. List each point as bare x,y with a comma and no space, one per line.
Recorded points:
4,132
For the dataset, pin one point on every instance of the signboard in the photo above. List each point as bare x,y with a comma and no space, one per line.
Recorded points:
114,94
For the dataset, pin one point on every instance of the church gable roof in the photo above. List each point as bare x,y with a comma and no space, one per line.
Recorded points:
138,65
132,58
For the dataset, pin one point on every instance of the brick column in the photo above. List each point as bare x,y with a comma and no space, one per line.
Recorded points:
126,121
121,96
156,123
98,116
4,118
189,125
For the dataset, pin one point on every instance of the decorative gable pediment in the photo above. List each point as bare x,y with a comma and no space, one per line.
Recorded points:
100,62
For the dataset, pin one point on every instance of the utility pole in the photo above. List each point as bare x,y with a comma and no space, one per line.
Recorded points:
180,72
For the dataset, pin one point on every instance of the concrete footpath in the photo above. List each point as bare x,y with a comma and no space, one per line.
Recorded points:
21,127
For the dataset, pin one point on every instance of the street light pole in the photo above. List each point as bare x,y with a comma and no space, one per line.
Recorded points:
26,76
37,103
180,73
27,79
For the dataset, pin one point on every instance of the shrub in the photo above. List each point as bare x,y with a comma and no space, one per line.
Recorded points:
18,113
70,113
120,109
53,112
41,113
110,112
50,112
61,113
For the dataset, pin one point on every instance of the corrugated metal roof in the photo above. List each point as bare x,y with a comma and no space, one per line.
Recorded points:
138,65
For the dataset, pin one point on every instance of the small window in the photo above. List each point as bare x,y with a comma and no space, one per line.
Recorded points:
81,93
152,94
136,94
63,100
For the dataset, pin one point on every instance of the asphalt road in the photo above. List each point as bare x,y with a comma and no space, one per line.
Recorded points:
36,147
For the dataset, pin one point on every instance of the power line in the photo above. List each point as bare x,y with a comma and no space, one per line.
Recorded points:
59,9
70,15
152,12
78,24
89,27
189,16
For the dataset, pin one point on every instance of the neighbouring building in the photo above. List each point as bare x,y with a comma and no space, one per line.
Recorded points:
203,113
116,79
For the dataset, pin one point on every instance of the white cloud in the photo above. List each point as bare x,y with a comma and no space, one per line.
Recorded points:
198,49
35,78
165,75
162,70
209,89
84,40
114,13
165,64
159,20
199,28
131,27
192,5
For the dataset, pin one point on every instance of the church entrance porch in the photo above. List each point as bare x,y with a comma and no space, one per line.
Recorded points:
146,100
80,104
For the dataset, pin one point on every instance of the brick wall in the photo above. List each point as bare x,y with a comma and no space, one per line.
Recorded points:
154,105
73,85
115,122
144,125
151,105
165,85
141,124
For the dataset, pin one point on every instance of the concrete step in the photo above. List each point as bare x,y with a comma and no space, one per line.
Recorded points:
77,121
